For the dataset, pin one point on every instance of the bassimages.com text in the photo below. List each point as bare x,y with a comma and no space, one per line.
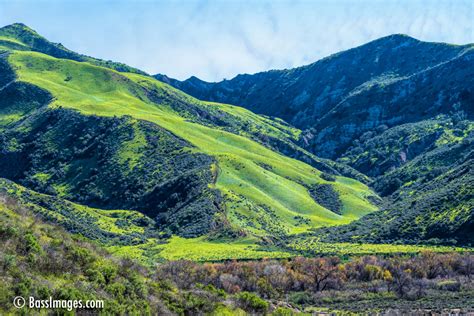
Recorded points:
50,303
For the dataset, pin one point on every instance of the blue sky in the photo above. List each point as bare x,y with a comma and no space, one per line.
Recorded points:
220,39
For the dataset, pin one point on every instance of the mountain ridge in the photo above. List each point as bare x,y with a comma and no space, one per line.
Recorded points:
196,79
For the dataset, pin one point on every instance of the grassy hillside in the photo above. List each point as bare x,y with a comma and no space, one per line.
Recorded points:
117,187
263,191
132,235
207,174
112,163
436,211
424,171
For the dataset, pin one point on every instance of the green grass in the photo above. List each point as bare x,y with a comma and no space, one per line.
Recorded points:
11,43
131,150
95,90
199,249
12,40
314,246
202,249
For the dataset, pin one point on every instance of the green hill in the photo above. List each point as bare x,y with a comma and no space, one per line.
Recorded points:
122,140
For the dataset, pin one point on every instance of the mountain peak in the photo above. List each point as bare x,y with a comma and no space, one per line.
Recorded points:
14,28
15,25
194,79
164,78
400,36
393,39
22,33
18,24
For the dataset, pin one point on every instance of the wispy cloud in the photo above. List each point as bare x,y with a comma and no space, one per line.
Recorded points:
219,39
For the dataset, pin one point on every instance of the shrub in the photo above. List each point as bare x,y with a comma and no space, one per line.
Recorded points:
372,272
387,276
81,256
252,302
328,177
212,289
402,281
95,276
282,311
7,261
8,232
230,283
301,298
30,244
449,285
198,302
117,289
109,272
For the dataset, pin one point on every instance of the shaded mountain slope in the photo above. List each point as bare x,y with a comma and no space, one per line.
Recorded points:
301,95
377,152
113,163
425,171
402,155
445,88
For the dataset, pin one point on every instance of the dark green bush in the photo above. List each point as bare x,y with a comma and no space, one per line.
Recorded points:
251,302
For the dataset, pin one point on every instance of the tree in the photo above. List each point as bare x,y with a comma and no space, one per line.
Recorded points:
321,271
401,280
